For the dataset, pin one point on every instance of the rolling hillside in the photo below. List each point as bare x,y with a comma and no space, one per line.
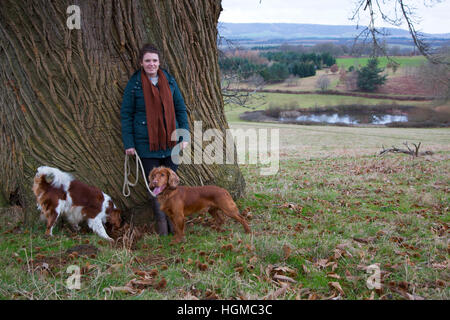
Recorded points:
290,31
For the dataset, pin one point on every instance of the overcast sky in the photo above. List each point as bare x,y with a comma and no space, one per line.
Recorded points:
335,12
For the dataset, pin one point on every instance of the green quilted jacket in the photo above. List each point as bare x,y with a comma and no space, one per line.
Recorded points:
134,120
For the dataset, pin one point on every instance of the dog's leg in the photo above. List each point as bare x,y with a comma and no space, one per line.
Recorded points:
218,217
230,209
178,225
51,216
97,226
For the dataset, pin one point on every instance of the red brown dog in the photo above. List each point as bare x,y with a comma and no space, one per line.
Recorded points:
181,201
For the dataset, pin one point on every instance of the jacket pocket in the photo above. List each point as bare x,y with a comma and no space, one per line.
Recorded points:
140,129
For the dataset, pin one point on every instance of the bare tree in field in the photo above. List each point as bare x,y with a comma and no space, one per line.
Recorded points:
61,89
323,83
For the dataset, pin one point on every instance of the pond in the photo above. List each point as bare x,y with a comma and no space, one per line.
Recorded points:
355,115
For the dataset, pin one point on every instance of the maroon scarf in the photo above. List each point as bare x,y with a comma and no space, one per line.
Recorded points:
157,101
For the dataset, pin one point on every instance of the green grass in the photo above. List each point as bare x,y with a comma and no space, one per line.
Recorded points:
332,209
414,61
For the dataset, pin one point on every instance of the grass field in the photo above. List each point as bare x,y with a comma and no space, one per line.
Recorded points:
333,209
414,61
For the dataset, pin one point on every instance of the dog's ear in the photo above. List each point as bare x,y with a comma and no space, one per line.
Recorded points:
49,178
150,175
173,179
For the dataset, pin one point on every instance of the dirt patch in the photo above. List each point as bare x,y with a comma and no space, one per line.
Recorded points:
12,216
407,85
44,265
83,250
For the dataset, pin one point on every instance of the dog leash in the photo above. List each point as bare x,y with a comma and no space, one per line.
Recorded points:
127,170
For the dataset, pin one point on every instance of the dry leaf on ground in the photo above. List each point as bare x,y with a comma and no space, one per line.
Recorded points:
336,286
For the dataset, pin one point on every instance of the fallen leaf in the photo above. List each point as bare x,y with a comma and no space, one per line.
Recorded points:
268,270
365,240
337,286
333,275
210,295
332,264
405,294
414,297
338,254
287,251
203,266
187,274
140,284
313,296
274,295
140,273
285,270
440,266
253,260
322,263
305,269
240,270
396,239
161,284
121,289
284,278
350,277
115,267
190,296
227,247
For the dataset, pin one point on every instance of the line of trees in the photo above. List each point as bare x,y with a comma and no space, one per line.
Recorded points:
277,66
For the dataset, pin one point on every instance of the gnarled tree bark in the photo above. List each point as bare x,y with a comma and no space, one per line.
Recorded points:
61,89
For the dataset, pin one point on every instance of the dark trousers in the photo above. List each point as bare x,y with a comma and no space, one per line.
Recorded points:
163,224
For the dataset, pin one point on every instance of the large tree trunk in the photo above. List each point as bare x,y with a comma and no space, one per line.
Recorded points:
61,89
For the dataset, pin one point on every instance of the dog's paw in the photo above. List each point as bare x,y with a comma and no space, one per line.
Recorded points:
177,241
48,236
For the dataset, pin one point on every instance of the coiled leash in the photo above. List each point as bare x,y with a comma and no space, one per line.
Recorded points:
127,170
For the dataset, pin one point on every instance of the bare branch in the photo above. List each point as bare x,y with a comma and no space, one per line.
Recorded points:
411,152
402,12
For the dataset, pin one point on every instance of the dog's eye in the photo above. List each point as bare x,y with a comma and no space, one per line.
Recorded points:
162,174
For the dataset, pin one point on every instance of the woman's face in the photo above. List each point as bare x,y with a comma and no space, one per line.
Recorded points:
150,63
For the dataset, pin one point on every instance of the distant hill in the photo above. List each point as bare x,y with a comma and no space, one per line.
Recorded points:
290,31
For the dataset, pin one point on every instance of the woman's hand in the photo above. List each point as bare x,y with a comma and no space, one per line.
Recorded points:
130,151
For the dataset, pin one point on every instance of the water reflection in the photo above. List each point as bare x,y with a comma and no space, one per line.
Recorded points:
348,118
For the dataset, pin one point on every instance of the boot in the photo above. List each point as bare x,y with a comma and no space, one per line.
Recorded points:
170,226
163,225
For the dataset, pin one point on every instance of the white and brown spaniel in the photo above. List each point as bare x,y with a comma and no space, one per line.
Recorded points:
58,193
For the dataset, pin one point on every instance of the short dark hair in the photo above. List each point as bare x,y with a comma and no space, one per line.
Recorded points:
148,48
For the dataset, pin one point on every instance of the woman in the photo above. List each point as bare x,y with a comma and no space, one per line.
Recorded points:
152,108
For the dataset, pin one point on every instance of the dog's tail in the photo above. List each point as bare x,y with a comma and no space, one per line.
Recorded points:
55,177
